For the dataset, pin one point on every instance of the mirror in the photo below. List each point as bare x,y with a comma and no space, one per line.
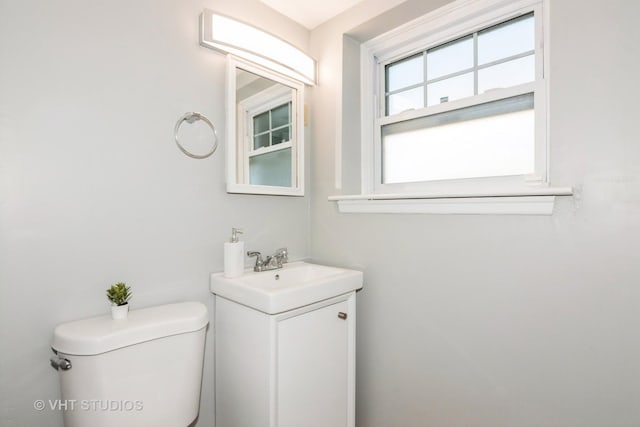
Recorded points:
265,143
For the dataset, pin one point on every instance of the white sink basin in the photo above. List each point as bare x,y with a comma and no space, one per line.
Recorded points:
295,285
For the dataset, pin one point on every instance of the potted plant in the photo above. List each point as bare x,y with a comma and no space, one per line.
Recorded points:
119,296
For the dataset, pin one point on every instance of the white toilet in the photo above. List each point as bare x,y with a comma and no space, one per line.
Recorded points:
142,371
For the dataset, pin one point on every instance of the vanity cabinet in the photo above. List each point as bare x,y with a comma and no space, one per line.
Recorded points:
291,369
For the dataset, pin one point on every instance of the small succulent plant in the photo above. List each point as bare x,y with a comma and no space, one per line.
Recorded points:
119,294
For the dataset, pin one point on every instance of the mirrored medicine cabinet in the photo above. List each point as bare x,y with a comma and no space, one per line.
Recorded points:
265,131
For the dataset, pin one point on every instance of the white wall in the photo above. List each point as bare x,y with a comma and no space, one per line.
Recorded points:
503,320
93,189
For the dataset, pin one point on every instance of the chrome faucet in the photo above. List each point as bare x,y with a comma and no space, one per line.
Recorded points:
272,262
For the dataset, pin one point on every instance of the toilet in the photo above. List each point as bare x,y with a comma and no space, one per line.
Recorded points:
142,371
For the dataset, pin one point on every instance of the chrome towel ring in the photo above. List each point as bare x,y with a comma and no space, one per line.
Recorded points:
191,118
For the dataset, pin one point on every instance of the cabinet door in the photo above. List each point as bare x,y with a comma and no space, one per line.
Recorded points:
313,368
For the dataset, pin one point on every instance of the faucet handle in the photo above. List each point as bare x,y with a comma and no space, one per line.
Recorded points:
256,254
259,260
282,254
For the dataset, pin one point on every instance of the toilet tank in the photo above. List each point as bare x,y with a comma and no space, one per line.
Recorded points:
142,371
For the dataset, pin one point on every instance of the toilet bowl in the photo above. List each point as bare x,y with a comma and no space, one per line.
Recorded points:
143,371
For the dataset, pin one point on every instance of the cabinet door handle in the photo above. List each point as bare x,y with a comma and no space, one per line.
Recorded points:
342,315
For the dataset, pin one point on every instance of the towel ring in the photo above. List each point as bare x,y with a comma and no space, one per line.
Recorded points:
190,118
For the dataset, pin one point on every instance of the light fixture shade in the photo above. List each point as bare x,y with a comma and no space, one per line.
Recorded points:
237,38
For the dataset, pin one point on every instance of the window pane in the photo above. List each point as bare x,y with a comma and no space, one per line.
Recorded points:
508,39
405,73
450,58
280,135
271,169
450,89
261,140
261,123
507,74
493,139
280,116
401,101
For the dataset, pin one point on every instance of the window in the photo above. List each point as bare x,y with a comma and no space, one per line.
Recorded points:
460,102
270,156
453,113
267,137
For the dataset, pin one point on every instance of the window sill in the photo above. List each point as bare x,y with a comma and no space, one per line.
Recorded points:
535,201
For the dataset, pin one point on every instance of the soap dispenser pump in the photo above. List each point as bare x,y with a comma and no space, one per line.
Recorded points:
234,255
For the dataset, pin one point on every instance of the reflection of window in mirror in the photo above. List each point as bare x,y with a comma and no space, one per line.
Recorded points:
270,158
265,135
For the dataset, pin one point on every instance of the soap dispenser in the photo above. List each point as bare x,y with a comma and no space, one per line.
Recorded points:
234,255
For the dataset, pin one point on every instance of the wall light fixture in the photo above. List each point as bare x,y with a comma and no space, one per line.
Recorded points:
245,41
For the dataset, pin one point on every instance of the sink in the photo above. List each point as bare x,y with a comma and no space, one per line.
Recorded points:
295,285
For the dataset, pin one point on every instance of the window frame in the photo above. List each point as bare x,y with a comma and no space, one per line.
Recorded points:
453,21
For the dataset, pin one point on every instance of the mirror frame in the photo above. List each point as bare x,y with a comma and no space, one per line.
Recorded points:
233,63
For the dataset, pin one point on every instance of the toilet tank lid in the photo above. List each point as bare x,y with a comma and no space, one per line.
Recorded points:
100,334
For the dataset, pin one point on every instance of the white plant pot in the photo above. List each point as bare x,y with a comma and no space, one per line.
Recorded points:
119,311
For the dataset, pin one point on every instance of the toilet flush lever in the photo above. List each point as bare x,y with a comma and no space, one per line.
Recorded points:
60,363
